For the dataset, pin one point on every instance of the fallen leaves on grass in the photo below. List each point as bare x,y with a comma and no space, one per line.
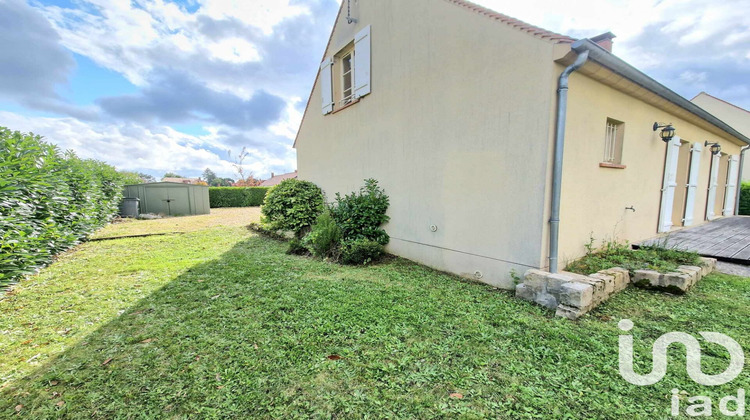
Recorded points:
106,362
457,396
19,407
334,357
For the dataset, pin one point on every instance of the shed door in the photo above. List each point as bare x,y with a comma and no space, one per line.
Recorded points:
668,185
169,201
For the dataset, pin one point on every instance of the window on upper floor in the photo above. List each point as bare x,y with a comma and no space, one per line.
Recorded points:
345,77
613,142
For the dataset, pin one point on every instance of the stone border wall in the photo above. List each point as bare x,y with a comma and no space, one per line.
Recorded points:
678,282
573,295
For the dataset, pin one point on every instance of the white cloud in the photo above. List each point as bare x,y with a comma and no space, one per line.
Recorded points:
263,14
157,149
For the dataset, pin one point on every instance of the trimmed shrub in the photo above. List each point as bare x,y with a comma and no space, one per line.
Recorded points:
220,197
361,251
293,205
324,238
361,214
296,247
745,199
48,201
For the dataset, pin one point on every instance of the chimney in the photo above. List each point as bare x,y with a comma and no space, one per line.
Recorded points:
604,40
272,175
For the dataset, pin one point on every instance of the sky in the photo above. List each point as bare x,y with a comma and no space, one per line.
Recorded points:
162,86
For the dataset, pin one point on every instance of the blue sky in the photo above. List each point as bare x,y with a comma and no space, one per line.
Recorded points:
159,85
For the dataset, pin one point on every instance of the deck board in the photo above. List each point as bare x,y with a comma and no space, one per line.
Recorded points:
726,239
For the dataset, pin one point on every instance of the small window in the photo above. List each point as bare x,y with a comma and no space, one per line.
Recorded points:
347,78
613,140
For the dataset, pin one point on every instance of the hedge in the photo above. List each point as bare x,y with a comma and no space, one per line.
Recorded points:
236,196
745,199
49,201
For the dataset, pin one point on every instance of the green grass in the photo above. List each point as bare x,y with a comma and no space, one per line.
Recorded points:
221,323
612,255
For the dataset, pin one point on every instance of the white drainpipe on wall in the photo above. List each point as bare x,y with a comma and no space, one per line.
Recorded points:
562,111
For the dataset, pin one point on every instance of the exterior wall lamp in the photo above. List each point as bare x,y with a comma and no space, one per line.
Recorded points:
667,132
715,148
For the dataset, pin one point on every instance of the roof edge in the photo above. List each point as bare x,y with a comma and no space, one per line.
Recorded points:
534,31
601,56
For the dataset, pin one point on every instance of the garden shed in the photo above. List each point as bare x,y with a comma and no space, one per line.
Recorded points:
169,198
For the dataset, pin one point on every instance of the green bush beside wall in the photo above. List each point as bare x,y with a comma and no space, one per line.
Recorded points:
49,201
220,197
745,199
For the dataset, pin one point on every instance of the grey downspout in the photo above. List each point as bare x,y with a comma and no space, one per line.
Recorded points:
562,111
739,181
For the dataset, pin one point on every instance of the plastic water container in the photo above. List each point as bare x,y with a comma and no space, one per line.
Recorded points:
130,207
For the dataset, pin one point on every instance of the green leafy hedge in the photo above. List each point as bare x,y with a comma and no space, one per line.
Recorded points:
49,200
220,197
745,199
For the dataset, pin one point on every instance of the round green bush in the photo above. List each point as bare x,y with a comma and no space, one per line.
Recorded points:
293,205
361,251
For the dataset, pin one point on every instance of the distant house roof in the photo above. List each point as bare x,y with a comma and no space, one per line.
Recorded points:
192,181
276,179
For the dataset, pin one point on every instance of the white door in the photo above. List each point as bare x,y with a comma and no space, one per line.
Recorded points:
668,185
731,194
692,186
712,184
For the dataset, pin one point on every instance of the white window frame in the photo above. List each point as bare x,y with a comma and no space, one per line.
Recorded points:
347,99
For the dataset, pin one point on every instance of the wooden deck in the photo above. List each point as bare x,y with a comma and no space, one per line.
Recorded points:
726,239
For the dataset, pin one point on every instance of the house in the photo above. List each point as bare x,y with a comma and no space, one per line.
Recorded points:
504,146
737,117
191,181
276,179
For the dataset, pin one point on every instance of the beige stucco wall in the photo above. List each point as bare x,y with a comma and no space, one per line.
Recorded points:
456,129
594,199
737,118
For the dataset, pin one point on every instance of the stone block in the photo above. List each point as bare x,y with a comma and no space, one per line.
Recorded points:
609,282
677,282
569,312
708,266
621,275
647,278
525,293
547,300
536,280
578,295
694,272
555,282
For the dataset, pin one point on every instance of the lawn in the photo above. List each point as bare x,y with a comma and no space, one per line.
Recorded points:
217,322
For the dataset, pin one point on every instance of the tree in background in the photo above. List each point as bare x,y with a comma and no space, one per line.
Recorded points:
224,182
209,176
137,177
239,168
172,175
249,182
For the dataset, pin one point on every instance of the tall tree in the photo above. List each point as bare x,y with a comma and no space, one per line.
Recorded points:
209,176
172,175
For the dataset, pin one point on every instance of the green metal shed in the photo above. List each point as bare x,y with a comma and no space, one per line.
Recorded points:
170,198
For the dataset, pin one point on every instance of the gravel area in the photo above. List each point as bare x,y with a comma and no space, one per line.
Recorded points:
734,269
